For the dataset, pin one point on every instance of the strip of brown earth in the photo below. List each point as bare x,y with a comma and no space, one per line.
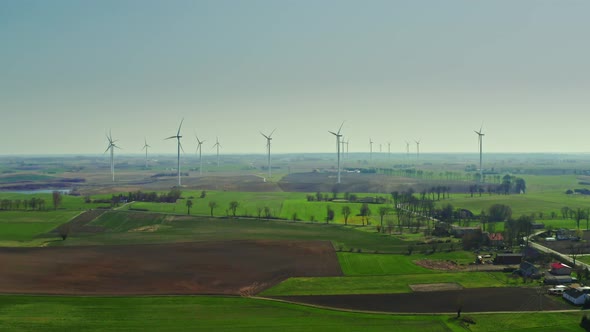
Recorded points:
226,267
470,300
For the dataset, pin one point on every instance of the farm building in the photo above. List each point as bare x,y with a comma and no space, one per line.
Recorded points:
577,296
508,259
458,231
495,239
560,269
527,269
557,280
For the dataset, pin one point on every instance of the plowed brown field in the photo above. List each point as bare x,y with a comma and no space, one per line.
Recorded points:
225,267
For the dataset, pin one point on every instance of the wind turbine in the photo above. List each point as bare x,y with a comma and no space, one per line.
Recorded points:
370,149
111,147
389,150
480,140
179,146
338,135
408,149
268,139
347,141
417,149
145,147
218,146
199,143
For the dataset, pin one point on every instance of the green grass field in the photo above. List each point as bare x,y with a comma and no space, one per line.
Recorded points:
354,264
20,228
205,313
281,204
122,228
532,202
385,284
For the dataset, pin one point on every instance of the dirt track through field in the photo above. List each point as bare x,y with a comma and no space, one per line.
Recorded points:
225,267
470,300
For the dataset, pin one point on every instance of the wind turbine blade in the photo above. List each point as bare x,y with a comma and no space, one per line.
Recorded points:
264,135
180,144
272,132
105,151
340,127
170,137
333,133
181,121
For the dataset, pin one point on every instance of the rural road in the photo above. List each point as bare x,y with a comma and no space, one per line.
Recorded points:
568,259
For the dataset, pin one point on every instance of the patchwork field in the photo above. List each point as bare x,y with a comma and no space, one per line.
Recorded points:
224,267
470,300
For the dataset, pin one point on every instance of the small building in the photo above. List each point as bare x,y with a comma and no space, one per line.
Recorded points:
560,269
577,296
458,231
557,280
508,259
495,239
529,270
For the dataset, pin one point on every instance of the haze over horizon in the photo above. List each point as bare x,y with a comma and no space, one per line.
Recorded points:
395,71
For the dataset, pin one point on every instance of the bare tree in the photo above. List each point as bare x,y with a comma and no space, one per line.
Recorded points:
346,213
189,205
382,212
56,199
233,206
212,206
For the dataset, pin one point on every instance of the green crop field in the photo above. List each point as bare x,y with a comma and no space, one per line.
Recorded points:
206,313
123,227
524,204
386,284
26,228
281,204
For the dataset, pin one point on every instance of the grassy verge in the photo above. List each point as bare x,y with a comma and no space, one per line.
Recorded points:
26,313
206,313
354,264
387,284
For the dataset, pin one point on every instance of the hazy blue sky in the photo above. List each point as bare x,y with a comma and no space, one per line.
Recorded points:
393,70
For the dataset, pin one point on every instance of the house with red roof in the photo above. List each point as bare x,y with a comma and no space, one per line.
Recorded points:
495,239
560,269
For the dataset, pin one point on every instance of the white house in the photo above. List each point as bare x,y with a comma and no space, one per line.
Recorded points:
575,295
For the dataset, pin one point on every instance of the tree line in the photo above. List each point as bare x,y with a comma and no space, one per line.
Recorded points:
32,204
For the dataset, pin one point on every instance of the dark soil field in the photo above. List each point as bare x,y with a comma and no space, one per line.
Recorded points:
227,267
360,183
565,246
470,300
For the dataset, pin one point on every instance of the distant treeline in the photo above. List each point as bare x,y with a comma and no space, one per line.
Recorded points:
160,175
22,204
138,196
578,191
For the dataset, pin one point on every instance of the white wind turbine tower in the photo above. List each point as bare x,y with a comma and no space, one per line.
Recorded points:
268,139
417,149
347,141
199,143
145,147
370,149
111,147
338,135
218,146
342,143
389,150
408,149
480,141
179,147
